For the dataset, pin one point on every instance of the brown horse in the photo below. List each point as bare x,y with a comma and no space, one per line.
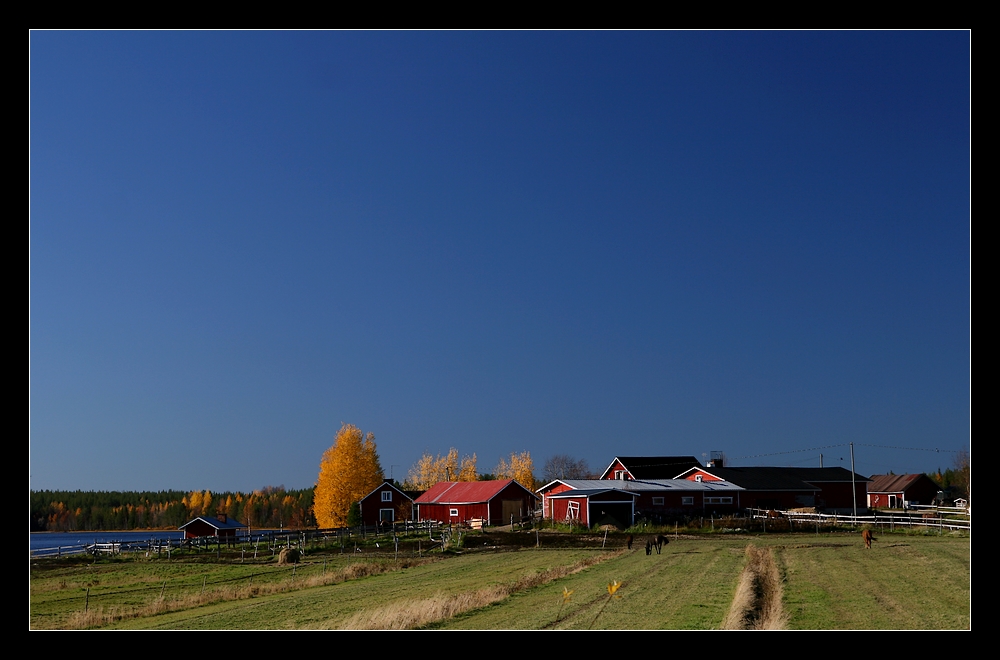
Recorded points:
659,542
628,541
868,538
649,547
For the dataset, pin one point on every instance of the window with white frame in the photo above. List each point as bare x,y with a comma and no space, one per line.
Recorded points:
386,495
620,474
453,513
657,501
688,500
718,500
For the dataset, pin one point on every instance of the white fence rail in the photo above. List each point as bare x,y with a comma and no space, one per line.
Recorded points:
950,518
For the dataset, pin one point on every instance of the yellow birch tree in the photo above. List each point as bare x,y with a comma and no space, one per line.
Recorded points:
467,472
428,470
349,470
520,468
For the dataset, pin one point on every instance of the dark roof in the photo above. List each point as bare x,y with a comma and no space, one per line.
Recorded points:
893,483
215,522
388,483
655,467
783,478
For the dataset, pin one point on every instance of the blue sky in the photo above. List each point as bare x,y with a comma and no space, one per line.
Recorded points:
583,243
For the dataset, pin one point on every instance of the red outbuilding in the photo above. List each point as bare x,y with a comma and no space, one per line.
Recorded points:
386,504
891,491
791,487
493,502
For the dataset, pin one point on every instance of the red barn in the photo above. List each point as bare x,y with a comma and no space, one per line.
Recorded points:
592,506
495,502
572,500
386,504
791,487
891,491
649,467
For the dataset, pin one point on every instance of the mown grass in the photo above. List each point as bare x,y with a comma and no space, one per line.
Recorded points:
333,606
829,581
904,582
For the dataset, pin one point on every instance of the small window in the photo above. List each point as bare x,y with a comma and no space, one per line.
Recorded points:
718,500
386,495
687,501
620,474
453,513
657,501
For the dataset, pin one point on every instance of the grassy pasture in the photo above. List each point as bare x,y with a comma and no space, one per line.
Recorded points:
830,582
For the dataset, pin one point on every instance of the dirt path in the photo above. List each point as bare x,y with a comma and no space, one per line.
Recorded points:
757,603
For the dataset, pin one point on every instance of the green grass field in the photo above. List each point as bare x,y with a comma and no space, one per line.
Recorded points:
829,581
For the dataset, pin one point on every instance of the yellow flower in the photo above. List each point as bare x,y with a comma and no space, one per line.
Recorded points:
566,594
613,587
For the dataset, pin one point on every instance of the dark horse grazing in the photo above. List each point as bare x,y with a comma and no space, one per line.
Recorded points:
658,543
868,538
628,541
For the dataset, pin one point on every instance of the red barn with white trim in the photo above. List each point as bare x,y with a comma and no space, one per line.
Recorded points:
458,502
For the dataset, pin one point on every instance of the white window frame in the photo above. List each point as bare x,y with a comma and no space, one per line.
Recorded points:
453,513
386,495
657,501
687,500
391,512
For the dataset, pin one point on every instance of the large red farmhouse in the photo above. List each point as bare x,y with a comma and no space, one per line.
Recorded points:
790,487
386,504
495,502
590,501
649,467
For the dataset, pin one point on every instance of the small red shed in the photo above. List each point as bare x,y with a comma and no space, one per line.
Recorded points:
386,504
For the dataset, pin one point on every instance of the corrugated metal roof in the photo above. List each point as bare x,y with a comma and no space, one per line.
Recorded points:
465,492
892,483
590,492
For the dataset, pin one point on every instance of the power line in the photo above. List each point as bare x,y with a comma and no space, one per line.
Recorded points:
846,444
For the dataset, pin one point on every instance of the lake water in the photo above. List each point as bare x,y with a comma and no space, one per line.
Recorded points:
49,543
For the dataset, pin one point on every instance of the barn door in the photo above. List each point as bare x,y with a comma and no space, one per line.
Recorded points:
510,508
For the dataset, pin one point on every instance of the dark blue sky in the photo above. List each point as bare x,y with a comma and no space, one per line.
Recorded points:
589,243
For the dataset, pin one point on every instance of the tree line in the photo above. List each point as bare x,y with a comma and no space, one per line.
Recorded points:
68,511
349,470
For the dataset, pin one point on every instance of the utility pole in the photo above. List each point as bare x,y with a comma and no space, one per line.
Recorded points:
854,491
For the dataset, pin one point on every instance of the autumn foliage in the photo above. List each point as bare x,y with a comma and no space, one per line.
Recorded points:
520,468
430,470
349,470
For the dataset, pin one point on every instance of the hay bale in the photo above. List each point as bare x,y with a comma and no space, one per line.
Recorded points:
288,556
